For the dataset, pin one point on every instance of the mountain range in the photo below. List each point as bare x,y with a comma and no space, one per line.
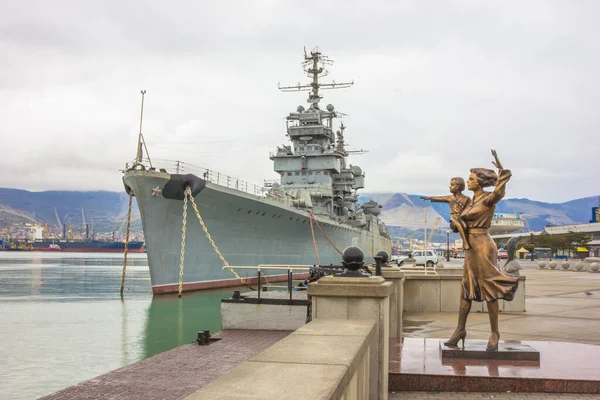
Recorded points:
103,211
406,210
106,211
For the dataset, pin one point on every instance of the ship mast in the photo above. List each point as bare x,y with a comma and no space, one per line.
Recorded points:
141,142
314,66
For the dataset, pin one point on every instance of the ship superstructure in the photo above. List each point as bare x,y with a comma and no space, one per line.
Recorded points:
317,187
314,170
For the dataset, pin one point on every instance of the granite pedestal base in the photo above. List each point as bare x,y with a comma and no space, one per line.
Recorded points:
416,365
476,350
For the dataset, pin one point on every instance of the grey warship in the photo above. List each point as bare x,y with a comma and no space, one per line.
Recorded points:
303,218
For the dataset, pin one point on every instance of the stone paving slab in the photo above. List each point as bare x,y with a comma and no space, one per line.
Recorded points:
176,373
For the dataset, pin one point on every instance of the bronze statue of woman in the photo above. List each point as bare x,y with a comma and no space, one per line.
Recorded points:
482,281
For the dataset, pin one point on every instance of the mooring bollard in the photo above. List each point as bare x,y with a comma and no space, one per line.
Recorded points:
203,337
378,260
381,260
352,259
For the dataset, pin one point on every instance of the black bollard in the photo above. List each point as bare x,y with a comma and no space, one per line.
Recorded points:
378,260
203,337
384,257
352,259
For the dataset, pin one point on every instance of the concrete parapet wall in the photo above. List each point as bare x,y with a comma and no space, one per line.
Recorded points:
325,359
262,316
359,298
397,277
441,293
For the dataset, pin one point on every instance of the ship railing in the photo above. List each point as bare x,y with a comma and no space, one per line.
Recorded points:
290,268
218,178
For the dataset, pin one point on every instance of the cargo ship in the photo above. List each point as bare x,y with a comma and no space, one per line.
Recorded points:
87,246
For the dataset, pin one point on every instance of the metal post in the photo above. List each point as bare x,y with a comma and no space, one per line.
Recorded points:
378,265
448,246
259,285
290,285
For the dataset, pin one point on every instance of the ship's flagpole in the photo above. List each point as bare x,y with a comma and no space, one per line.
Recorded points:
140,152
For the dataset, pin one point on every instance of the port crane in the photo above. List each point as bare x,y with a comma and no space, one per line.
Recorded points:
60,225
437,221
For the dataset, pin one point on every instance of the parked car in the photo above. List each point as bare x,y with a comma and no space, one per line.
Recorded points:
428,258
401,257
531,256
502,255
459,255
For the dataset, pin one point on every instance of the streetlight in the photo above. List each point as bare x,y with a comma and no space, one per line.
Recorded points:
447,246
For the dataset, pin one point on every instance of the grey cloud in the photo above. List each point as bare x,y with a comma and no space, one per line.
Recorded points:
431,77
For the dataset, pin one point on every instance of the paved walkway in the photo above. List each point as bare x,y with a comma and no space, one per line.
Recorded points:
486,396
175,373
562,306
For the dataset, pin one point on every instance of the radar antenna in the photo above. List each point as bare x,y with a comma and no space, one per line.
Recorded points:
314,66
341,144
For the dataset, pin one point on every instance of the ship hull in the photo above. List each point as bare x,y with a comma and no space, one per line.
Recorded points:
248,230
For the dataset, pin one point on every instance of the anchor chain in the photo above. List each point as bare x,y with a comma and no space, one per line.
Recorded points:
183,232
188,193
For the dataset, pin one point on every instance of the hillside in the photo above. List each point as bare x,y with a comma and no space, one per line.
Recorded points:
107,211
406,210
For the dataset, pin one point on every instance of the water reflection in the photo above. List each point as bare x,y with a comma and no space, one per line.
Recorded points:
172,321
63,320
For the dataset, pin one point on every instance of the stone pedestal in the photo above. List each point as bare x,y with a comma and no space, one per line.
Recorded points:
397,277
359,298
476,350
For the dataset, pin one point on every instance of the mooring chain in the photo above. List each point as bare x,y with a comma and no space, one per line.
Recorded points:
126,243
188,193
183,232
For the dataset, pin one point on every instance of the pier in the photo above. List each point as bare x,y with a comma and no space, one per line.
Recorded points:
561,322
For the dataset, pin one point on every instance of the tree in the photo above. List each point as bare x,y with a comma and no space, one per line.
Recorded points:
577,239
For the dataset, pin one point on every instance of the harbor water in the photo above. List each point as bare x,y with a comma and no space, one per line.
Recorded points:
63,320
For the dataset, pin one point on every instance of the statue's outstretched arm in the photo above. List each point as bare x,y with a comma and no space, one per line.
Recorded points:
503,177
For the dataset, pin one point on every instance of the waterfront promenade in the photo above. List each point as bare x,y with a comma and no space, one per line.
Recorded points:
562,306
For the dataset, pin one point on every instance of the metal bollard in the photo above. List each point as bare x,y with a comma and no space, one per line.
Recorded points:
352,260
378,260
203,337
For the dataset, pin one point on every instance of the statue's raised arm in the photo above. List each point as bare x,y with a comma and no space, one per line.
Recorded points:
497,162
503,177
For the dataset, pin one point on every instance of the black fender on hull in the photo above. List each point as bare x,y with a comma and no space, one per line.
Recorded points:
174,189
128,189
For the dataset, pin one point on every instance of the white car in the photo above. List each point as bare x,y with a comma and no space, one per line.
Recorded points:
429,259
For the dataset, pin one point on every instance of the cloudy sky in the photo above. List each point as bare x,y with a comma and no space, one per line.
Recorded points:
437,85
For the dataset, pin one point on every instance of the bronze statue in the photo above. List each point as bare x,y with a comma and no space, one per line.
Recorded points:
482,281
457,202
